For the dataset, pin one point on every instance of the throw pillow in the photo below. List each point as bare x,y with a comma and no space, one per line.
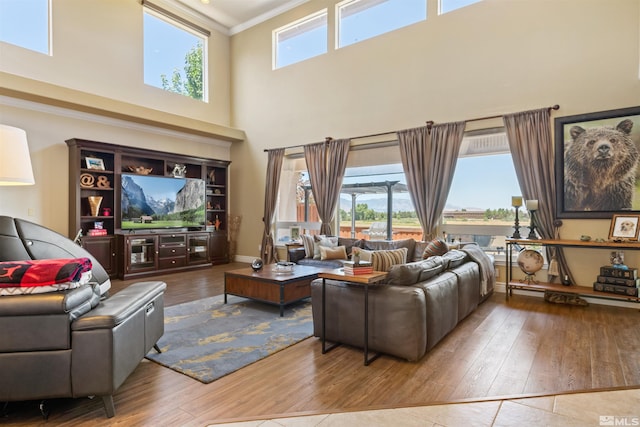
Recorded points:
307,241
404,274
327,242
435,247
454,258
365,255
383,260
339,252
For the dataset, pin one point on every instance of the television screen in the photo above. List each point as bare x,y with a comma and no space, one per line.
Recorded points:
151,201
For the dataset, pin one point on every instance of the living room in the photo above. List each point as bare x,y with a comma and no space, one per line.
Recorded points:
490,58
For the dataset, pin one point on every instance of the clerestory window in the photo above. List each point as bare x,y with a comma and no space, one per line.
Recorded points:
175,54
26,23
300,40
359,20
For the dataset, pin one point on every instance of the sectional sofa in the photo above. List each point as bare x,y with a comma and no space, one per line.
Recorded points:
420,302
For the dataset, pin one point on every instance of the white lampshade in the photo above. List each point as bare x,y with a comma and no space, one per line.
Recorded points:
15,161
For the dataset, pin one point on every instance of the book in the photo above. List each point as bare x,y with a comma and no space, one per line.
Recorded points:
97,232
630,273
634,283
352,264
615,289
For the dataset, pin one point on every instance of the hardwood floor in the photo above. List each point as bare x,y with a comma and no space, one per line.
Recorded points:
503,349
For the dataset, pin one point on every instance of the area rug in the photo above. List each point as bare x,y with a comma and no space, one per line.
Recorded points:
207,339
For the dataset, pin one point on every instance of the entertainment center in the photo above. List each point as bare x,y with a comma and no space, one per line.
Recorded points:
142,212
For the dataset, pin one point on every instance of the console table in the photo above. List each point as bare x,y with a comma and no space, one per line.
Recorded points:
362,279
573,289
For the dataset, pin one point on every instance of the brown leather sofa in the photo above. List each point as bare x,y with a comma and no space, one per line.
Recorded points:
421,302
71,343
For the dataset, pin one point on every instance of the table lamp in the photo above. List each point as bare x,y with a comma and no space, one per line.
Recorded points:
15,161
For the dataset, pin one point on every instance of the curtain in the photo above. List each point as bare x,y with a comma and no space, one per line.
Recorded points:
268,252
529,135
429,162
326,163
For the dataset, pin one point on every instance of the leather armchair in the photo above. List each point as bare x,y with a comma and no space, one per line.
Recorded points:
71,343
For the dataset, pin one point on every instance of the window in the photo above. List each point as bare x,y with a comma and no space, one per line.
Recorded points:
26,23
479,204
445,6
300,40
174,55
362,19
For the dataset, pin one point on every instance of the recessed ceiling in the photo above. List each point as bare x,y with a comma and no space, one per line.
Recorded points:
237,15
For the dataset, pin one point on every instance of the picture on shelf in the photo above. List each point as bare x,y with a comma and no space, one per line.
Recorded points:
294,233
94,163
624,227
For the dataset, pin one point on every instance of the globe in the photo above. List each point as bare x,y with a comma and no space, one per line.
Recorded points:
530,261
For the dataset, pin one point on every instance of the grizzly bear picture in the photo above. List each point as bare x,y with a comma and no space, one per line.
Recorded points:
600,168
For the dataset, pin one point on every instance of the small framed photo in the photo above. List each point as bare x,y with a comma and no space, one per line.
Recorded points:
294,233
624,227
94,163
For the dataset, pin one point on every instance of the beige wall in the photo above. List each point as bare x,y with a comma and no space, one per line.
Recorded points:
493,57
98,55
98,49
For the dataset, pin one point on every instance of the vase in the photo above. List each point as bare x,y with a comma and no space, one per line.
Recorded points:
94,204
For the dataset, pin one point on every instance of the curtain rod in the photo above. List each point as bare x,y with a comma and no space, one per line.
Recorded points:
430,124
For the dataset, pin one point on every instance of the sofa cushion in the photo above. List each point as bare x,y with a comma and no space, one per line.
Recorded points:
383,260
349,244
454,258
377,245
418,250
339,252
327,242
410,273
431,267
435,247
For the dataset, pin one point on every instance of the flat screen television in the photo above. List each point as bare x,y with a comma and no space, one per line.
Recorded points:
155,202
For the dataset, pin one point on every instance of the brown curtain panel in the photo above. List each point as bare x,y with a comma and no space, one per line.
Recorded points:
326,163
429,162
529,135
268,253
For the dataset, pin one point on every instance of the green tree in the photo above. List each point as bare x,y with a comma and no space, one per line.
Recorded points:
191,85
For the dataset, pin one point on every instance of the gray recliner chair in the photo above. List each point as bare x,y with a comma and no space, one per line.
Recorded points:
71,343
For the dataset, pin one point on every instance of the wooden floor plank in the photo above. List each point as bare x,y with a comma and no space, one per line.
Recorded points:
504,348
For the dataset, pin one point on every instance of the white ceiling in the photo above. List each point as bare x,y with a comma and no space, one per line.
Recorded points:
238,15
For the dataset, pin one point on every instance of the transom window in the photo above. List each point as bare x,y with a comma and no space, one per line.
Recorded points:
362,19
174,56
300,40
26,23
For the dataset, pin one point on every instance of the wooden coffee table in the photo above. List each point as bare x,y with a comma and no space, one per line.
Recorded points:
270,286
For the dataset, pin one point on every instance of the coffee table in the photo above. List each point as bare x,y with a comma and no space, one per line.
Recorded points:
270,286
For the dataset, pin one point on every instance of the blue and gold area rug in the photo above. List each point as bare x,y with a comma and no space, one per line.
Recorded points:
207,339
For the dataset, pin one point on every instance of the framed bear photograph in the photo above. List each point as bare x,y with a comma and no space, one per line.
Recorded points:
598,164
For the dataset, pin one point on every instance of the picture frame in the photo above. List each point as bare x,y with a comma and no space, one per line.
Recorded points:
94,163
624,227
294,233
577,195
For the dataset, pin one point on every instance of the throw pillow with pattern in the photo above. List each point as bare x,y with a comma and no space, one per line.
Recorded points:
385,259
435,247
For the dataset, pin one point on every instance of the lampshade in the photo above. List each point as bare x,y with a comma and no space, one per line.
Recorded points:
15,161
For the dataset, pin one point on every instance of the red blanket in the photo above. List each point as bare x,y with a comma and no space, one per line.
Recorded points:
42,272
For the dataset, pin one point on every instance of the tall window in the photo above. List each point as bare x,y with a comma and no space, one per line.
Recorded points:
445,6
26,23
479,204
174,56
300,40
362,19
